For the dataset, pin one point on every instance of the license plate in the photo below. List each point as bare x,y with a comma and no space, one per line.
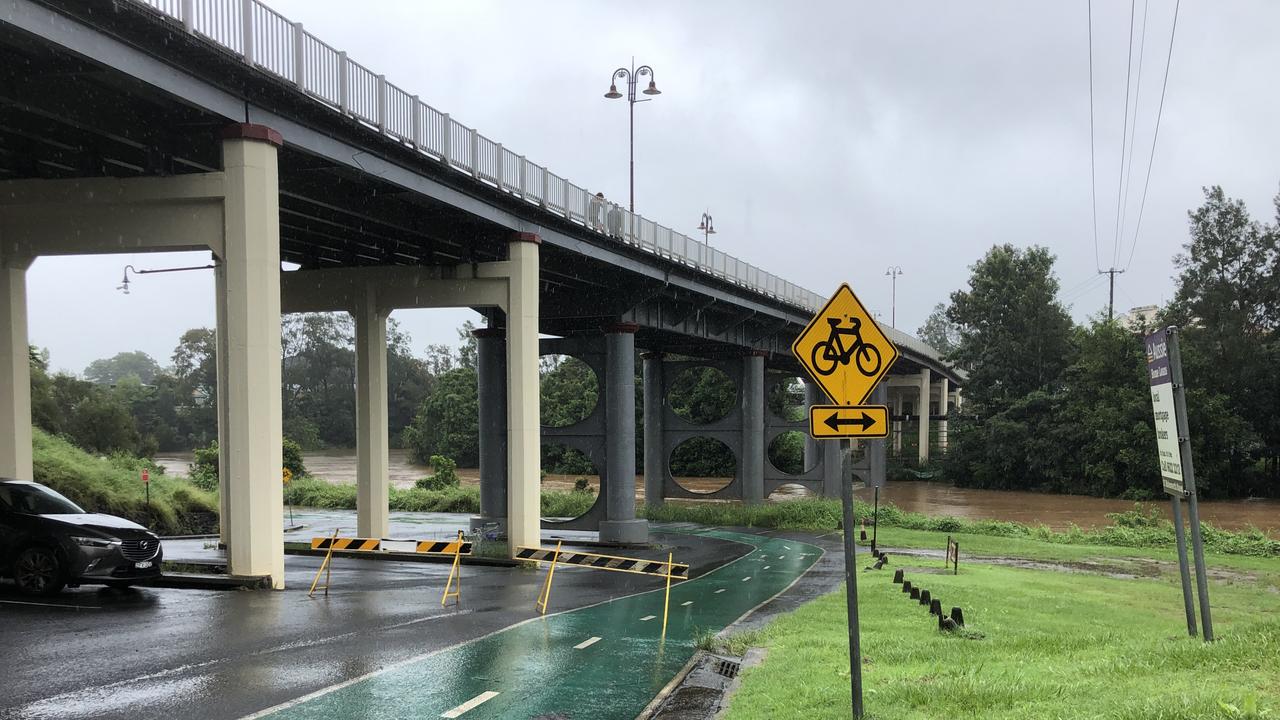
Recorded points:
143,565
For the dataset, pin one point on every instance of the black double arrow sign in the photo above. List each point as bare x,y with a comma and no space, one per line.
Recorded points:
862,421
848,421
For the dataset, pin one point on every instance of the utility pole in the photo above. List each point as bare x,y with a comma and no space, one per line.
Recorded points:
1111,297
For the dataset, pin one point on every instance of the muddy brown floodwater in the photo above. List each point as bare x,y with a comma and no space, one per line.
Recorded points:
1056,511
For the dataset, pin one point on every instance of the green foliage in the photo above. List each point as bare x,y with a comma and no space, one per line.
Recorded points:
203,471
136,364
292,458
570,390
786,452
702,457
1134,529
311,492
1014,335
113,485
444,475
582,486
448,421
702,394
566,504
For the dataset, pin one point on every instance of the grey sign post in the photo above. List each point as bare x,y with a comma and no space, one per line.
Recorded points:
1173,442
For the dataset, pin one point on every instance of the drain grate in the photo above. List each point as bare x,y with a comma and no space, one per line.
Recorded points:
728,668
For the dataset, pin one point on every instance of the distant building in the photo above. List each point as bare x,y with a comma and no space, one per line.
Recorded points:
1139,319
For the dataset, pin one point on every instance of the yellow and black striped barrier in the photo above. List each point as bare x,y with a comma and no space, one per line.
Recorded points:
356,544
444,547
638,566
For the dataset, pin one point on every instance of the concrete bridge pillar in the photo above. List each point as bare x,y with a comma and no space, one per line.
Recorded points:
897,424
944,397
15,371
251,291
813,450
923,409
620,524
524,426
655,460
491,391
372,481
753,450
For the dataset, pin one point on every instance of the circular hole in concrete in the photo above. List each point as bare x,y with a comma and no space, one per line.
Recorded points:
570,390
786,399
703,465
570,481
702,395
786,453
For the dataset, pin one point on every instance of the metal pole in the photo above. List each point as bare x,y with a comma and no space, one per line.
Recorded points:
875,520
851,599
631,105
1189,479
1180,534
893,303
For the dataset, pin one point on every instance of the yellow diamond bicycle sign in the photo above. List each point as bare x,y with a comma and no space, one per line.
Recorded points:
844,350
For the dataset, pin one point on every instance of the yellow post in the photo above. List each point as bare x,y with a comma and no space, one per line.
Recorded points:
324,566
545,596
666,601
455,571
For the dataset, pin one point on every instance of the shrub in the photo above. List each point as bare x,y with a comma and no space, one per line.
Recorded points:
444,475
580,486
204,465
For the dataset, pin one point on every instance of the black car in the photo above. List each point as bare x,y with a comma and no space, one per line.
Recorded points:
48,542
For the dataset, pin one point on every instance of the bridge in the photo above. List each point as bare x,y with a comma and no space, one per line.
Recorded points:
222,126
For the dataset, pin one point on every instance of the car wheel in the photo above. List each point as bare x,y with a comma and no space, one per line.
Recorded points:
38,571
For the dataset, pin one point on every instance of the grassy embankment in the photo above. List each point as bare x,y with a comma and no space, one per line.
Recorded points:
113,485
1135,530
1038,644
311,492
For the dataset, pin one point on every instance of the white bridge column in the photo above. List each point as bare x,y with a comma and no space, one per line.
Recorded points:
253,404
944,397
372,499
923,409
524,426
15,372
897,424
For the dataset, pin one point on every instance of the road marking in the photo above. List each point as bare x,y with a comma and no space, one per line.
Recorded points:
57,605
746,578
719,591
766,567
782,557
647,618
787,547
480,699
686,603
586,643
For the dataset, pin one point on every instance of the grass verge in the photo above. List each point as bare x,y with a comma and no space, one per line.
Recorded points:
1037,645
311,492
113,485
1133,529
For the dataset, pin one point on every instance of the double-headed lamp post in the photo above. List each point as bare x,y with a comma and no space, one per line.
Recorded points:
708,228
632,77
892,273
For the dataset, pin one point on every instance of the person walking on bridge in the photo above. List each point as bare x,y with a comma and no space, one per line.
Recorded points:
595,212
614,220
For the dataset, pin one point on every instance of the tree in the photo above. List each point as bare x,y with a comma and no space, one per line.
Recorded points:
938,331
448,422
1014,335
109,371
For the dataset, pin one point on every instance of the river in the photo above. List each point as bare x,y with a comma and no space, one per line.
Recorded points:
930,498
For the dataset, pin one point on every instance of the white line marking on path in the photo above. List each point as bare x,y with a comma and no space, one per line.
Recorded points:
686,603
53,605
766,567
782,557
746,578
586,643
471,704
719,591
647,618
787,547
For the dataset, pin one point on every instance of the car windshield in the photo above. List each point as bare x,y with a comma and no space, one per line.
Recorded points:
33,499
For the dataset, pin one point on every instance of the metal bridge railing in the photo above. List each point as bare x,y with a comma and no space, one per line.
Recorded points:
267,40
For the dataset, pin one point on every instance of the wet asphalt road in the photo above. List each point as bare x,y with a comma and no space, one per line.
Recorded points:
160,653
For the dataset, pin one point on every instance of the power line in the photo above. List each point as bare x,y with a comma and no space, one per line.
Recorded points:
1159,112
1124,134
1133,127
1093,170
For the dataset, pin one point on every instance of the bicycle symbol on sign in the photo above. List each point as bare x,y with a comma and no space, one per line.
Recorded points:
833,352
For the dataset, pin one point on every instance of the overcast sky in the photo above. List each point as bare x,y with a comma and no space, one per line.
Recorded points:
829,140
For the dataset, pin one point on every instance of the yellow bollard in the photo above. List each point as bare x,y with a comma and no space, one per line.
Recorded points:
545,596
666,601
455,571
325,567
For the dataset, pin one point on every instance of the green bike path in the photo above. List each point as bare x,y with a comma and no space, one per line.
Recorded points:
603,661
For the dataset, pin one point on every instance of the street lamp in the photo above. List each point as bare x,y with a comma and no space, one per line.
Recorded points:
632,77
892,273
707,226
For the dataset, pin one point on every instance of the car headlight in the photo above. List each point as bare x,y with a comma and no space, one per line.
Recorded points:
94,542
